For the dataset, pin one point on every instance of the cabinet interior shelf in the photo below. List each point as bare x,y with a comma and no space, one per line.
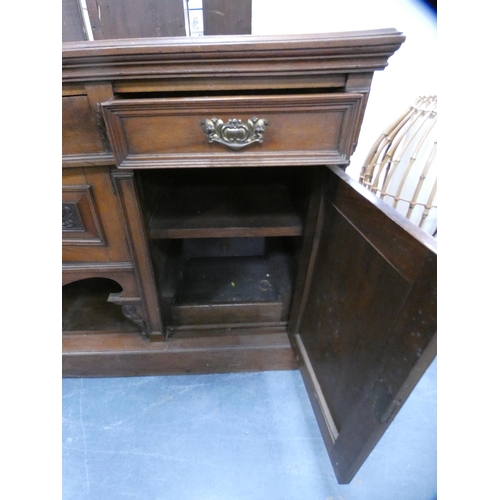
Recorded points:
225,210
234,290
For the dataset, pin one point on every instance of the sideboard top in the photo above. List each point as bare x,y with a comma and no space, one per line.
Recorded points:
186,57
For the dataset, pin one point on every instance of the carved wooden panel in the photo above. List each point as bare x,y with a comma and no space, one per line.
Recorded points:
93,226
80,218
297,130
71,219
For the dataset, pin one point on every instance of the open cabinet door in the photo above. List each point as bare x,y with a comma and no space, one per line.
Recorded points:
366,326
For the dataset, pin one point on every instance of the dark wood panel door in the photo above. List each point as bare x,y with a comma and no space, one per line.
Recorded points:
367,327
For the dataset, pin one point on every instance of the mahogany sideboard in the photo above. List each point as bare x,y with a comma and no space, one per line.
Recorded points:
208,224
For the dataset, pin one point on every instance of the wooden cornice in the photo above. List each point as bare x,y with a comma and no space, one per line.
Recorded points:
223,56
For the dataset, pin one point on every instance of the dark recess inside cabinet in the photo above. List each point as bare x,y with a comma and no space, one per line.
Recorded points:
86,308
225,245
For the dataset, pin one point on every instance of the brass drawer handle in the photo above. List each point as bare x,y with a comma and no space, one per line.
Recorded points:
234,134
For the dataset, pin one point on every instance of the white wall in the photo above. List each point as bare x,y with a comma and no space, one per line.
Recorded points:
411,71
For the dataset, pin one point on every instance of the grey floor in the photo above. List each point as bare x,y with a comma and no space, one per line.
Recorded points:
249,436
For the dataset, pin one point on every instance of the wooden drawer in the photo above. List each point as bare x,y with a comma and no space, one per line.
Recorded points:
81,134
93,229
310,129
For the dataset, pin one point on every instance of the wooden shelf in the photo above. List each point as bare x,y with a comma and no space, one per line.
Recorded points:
225,210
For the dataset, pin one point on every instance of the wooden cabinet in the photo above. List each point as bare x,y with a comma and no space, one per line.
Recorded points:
208,224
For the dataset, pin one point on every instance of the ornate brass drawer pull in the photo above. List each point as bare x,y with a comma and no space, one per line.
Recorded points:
234,134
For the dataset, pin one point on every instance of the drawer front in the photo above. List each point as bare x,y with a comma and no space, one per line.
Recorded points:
233,131
80,132
93,229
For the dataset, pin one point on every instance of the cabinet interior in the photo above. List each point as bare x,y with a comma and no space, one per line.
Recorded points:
225,245
86,309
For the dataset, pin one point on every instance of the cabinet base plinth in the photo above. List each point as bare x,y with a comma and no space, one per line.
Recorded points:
125,354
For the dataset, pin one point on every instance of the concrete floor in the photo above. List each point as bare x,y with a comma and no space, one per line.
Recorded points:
249,436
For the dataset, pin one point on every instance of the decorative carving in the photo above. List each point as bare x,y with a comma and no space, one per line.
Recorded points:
71,220
234,134
130,312
81,218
